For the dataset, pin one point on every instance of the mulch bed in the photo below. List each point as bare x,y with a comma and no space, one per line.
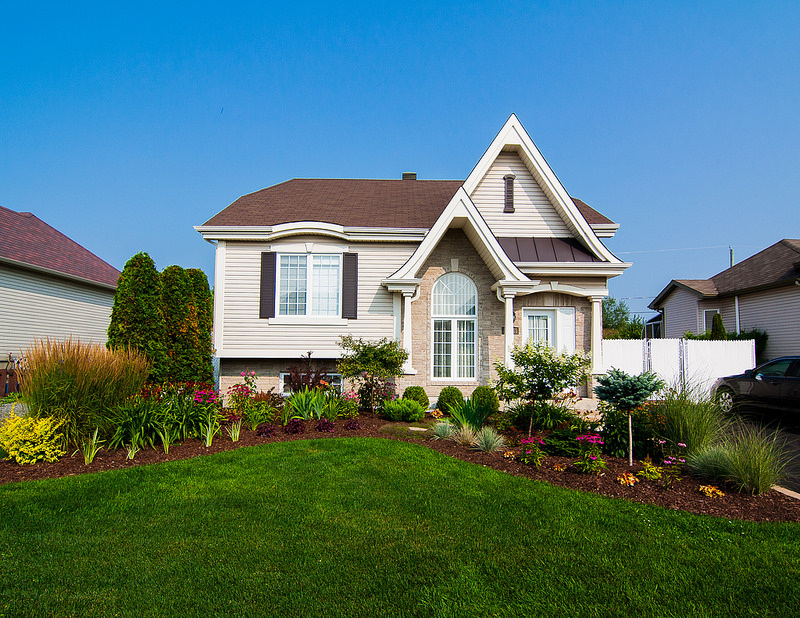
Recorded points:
685,494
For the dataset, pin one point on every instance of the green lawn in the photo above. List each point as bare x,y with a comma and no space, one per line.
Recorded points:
360,527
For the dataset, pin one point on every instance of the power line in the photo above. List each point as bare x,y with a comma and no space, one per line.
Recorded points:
684,249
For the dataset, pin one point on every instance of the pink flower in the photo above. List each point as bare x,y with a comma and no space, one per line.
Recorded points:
681,444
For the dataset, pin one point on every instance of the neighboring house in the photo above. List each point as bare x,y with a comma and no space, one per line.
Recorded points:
457,271
761,292
50,286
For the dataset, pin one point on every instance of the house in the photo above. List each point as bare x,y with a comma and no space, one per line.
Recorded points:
458,271
761,292
50,286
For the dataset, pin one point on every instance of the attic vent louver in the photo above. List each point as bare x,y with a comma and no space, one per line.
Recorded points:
509,201
409,175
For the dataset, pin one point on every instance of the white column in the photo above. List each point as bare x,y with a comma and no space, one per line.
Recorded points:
407,297
509,329
597,333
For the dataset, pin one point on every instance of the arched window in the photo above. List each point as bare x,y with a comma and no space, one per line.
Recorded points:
455,326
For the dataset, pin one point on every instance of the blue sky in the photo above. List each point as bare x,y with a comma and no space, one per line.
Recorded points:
124,126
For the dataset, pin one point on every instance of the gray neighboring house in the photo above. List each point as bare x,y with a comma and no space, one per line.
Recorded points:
50,286
760,292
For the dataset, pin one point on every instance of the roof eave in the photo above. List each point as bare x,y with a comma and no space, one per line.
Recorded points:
59,274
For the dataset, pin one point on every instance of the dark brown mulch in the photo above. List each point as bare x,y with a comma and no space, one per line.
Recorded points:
685,495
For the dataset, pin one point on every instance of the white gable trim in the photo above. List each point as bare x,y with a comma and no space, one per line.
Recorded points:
461,213
514,137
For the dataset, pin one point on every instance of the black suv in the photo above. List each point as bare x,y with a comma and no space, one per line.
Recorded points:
774,385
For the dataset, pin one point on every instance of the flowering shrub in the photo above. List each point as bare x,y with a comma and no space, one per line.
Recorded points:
28,440
590,461
532,453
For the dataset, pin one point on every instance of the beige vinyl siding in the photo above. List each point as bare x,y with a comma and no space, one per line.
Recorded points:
680,314
533,214
777,312
244,332
34,306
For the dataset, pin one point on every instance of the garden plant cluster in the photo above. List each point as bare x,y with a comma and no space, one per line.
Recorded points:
82,399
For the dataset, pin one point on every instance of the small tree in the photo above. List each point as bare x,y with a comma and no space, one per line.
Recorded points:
539,373
370,363
627,392
718,328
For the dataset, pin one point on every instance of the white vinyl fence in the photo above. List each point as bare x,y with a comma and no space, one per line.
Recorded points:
680,361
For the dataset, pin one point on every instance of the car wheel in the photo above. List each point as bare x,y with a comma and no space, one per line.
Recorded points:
725,399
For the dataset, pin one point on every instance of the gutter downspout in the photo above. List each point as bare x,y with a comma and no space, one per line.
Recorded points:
736,306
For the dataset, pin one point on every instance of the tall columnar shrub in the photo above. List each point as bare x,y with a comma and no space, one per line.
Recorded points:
627,392
203,301
136,319
718,328
449,397
186,306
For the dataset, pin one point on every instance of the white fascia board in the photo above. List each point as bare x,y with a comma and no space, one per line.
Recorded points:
574,269
514,135
58,274
597,290
460,206
401,285
605,230
361,234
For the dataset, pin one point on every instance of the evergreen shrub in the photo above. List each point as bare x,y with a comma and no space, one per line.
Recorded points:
449,397
417,393
486,396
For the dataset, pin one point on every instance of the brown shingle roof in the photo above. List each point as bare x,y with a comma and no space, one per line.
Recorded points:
705,287
352,203
27,239
590,214
777,265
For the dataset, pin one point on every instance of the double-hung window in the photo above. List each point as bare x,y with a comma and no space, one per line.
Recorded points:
309,285
455,326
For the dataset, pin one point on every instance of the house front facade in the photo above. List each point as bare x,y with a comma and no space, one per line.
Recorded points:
456,271
761,292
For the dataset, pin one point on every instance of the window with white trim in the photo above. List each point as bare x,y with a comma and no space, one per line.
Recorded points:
554,326
455,325
309,285
708,318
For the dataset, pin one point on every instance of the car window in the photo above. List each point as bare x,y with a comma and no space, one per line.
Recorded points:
776,369
794,370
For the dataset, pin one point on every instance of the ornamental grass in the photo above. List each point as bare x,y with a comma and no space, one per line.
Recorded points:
78,383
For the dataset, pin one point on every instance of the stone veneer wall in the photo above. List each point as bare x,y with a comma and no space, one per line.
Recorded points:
455,253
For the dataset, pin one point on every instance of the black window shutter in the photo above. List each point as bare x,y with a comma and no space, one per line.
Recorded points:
350,285
267,301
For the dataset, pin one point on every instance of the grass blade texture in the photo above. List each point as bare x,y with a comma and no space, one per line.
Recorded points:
360,527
